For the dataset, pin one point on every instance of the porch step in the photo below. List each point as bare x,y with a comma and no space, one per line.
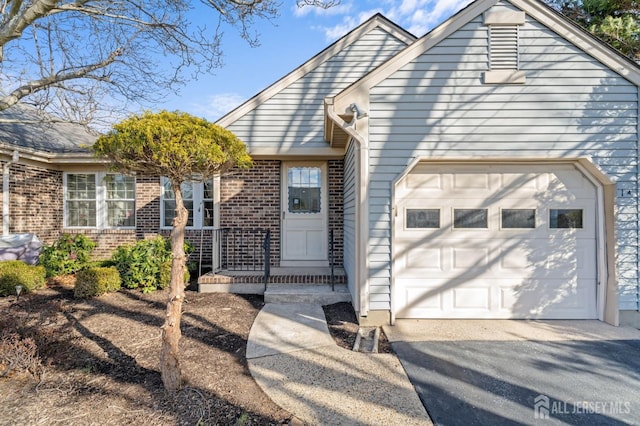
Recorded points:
252,282
306,293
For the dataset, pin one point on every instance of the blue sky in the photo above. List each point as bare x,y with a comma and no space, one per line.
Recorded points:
289,41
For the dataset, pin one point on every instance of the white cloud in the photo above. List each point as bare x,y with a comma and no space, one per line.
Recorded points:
218,105
339,9
443,9
417,16
348,23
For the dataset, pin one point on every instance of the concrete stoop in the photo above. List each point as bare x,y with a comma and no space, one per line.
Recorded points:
320,294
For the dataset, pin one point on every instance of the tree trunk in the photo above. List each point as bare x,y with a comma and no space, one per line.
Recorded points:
169,354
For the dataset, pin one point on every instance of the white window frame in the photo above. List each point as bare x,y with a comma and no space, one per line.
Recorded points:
101,201
198,200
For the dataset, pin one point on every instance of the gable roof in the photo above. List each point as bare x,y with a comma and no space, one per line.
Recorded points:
376,21
23,126
359,90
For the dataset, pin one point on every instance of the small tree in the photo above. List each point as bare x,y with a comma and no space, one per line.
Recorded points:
181,148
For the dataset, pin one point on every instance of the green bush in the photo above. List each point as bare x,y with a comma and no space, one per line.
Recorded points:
16,272
67,255
92,282
146,264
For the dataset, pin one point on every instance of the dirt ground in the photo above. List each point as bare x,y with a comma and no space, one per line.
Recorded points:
99,360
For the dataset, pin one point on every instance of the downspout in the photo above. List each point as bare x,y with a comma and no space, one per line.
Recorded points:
6,192
362,207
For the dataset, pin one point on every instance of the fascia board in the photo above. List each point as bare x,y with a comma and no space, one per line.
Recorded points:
582,39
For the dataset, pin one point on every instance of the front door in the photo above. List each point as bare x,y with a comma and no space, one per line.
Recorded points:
304,214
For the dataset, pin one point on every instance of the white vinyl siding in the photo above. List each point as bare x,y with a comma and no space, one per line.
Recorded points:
350,195
570,106
294,117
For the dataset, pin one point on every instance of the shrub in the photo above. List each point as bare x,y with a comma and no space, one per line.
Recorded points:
92,282
16,272
18,354
67,255
146,264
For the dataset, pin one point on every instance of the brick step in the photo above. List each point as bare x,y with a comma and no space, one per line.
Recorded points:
252,282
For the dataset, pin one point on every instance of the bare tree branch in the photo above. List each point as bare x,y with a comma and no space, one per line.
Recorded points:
77,59
35,85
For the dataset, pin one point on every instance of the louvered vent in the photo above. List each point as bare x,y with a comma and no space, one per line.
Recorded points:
503,47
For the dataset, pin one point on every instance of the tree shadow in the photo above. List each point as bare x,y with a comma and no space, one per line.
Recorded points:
90,355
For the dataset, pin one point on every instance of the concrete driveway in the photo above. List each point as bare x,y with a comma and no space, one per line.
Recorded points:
493,372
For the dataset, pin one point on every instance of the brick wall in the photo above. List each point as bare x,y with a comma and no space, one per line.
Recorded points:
251,199
35,201
336,208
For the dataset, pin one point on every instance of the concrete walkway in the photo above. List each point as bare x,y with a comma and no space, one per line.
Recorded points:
293,358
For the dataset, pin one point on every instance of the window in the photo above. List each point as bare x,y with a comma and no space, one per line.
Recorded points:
470,218
423,218
565,218
198,200
99,200
518,218
120,200
305,185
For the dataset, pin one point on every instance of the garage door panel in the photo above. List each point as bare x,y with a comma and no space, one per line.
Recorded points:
522,183
536,271
475,258
424,181
422,294
425,258
554,299
475,298
463,182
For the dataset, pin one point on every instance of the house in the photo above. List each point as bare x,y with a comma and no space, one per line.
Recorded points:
488,169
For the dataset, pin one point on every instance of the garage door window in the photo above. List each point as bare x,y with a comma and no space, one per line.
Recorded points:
470,218
565,218
423,218
518,218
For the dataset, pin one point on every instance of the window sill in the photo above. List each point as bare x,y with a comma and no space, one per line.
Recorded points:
505,77
80,229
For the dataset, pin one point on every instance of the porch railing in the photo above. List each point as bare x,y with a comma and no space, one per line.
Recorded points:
332,260
241,249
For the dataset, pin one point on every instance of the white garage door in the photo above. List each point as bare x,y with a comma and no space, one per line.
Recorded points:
480,241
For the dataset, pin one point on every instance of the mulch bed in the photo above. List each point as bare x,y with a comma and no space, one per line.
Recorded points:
97,359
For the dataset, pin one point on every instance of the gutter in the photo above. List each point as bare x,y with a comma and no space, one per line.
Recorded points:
362,207
6,192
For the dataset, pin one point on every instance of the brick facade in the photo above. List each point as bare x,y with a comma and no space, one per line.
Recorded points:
35,201
336,208
248,199
251,199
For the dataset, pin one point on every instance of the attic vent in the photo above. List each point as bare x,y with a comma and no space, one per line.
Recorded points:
503,47
504,62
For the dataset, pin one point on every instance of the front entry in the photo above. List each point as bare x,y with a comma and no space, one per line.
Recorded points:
304,214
